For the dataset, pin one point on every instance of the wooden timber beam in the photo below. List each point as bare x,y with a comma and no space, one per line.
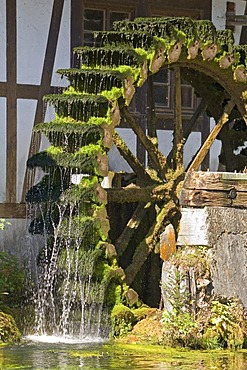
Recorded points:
130,158
13,210
158,159
178,127
215,189
11,144
169,212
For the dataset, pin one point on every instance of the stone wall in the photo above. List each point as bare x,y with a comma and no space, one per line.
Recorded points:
224,230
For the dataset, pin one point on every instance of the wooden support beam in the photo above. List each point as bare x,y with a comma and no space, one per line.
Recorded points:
158,159
189,126
133,193
11,150
13,210
130,158
178,127
169,212
122,242
211,137
214,189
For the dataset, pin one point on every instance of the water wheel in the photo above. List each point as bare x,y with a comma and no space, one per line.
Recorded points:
103,84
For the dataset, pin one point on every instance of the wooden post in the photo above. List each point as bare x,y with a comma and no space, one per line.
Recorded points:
211,137
178,128
11,112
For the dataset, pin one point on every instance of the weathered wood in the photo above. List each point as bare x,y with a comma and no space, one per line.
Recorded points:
167,213
227,149
152,193
11,136
224,181
76,36
13,210
133,193
132,225
130,158
158,159
199,110
178,127
211,137
202,198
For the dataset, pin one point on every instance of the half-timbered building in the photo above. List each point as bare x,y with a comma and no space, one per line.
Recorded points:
38,37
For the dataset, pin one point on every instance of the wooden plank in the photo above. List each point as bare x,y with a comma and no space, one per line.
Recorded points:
216,181
202,198
11,149
13,210
3,89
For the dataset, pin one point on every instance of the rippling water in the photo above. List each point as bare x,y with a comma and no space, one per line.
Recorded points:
90,354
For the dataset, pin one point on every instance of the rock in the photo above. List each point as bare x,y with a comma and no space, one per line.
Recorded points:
132,297
167,243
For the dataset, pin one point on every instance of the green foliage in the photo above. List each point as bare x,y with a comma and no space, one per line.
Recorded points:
12,279
3,223
178,323
178,328
225,325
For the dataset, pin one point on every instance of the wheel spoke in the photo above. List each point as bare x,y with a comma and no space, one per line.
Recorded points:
211,137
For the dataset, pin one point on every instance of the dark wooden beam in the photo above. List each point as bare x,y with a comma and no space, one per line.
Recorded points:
3,89
76,35
11,129
243,35
178,123
13,210
215,189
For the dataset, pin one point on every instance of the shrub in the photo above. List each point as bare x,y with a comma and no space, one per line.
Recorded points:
11,280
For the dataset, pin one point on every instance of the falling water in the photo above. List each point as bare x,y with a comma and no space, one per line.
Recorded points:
68,299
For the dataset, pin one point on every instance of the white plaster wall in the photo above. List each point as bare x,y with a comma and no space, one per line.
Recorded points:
62,59
25,118
2,41
33,21
165,141
219,15
191,146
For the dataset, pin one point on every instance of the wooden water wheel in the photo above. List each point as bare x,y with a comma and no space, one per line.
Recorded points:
102,88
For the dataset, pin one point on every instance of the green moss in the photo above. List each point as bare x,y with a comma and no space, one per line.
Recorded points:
86,159
8,330
79,106
122,320
206,32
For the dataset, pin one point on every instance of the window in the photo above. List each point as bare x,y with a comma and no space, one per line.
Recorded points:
100,19
187,93
161,90
163,85
93,21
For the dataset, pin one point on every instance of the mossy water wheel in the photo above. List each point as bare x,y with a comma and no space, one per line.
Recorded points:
101,90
